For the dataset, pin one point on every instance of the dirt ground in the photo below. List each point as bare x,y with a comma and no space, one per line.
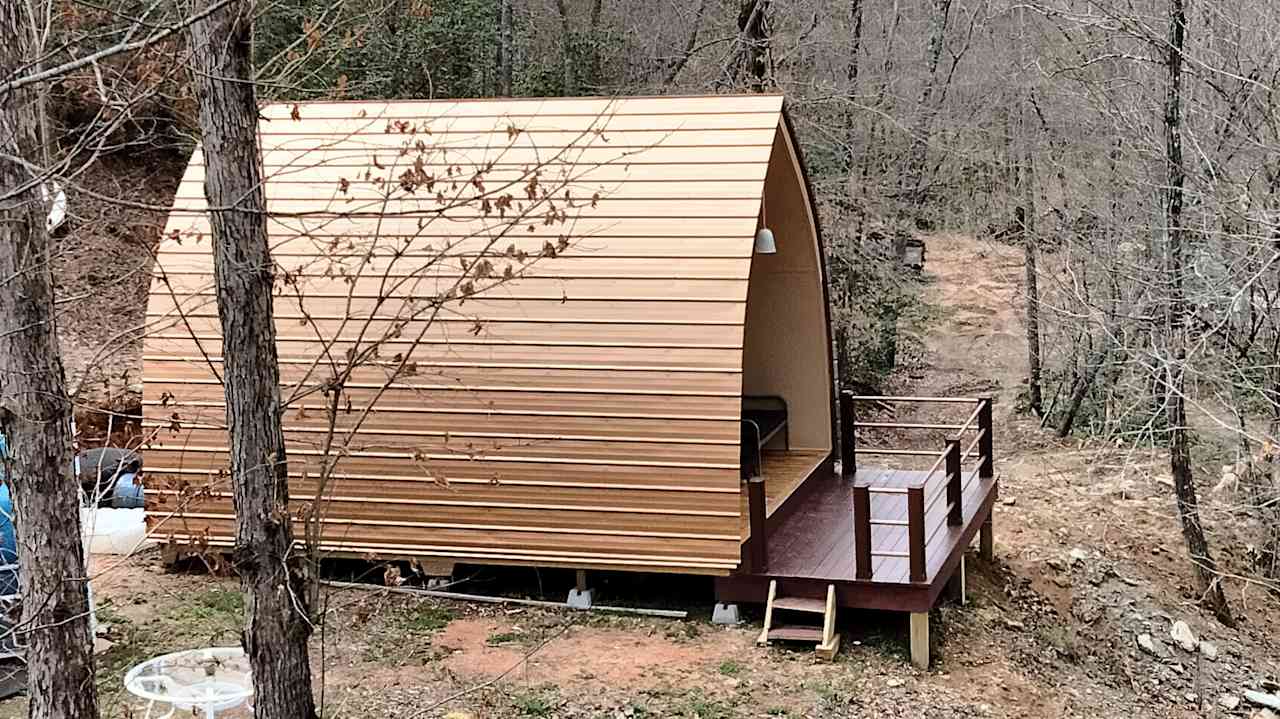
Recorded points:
1088,559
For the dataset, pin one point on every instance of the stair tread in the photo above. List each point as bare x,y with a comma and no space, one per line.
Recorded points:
800,604
796,634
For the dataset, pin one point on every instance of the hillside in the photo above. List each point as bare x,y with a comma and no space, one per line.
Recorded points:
1088,560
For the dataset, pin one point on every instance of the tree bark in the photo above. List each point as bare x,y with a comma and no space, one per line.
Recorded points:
506,33
1026,218
1175,403
569,77
922,130
852,69
272,573
753,32
35,414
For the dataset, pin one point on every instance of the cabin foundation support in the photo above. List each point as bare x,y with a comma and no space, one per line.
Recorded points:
986,540
920,640
581,597
956,588
725,614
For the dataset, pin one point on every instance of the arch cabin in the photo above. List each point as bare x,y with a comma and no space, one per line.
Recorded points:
561,341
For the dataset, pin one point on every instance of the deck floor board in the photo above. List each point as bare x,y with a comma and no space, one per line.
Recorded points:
784,471
816,540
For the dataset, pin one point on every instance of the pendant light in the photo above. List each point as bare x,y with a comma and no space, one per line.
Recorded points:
765,244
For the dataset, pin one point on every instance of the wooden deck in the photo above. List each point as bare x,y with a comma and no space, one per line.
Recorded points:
886,538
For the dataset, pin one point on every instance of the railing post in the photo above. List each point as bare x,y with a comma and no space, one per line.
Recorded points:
955,514
986,445
848,437
861,532
757,550
915,533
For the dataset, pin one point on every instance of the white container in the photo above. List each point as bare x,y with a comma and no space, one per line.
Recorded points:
114,531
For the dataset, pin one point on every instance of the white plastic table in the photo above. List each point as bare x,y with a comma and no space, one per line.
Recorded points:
208,680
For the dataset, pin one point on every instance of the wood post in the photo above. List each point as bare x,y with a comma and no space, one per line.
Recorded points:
986,445
956,588
920,640
986,538
955,515
862,532
848,437
580,580
757,551
915,533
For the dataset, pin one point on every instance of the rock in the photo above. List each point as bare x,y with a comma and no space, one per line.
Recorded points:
1078,555
1267,700
1263,714
1056,564
102,644
1183,636
1009,501
1209,651
459,715
1014,624
1151,646
894,683
1229,702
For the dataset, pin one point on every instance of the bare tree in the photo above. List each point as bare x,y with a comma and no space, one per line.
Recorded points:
277,619
1176,326
35,413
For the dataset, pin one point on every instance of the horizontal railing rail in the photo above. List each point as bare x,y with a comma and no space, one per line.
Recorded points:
922,497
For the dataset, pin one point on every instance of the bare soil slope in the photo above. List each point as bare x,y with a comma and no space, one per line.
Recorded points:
1089,559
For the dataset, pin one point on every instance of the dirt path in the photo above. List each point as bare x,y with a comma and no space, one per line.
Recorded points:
1088,559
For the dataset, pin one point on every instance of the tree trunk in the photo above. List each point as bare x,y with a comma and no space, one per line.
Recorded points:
1079,391
921,131
569,83
271,572
35,414
753,32
1026,218
852,69
1175,402
506,33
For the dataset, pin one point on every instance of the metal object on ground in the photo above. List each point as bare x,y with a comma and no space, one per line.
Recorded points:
209,681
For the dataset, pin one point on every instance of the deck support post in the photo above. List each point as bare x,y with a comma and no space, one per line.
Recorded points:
956,585
955,515
915,533
920,640
986,445
986,538
848,437
861,532
757,549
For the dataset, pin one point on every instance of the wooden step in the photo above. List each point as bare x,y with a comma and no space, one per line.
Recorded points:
795,634
799,604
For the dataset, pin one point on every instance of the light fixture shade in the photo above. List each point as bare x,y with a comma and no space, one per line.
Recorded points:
764,242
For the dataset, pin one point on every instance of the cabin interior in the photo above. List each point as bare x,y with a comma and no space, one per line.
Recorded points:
786,368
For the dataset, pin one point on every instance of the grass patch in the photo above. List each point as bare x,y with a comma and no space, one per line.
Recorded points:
702,706
730,668
426,618
504,638
535,703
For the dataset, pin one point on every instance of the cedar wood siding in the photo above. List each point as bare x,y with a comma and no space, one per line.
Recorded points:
584,414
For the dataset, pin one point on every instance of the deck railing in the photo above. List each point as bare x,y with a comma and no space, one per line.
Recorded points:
922,496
